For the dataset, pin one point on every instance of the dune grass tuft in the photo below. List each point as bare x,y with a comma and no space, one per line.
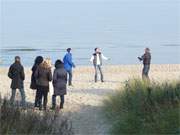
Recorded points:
142,108
17,120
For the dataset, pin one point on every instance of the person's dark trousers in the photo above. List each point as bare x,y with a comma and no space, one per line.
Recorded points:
98,67
43,94
37,104
145,72
70,77
54,101
23,97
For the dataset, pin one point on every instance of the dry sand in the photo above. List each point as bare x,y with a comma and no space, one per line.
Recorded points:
83,101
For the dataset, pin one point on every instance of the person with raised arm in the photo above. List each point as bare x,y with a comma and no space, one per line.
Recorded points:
97,59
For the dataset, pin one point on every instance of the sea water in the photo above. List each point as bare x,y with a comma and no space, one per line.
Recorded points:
122,29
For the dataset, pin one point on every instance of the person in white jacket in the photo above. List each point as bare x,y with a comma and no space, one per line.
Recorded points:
96,59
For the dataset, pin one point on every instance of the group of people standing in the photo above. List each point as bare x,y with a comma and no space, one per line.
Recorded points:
40,79
42,76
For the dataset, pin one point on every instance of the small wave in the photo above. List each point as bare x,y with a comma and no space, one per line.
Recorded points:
20,50
133,46
169,45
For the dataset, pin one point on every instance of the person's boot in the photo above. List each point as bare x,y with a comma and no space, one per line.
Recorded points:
40,105
70,84
61,106
45,108
40,108
53,107
36,104
95,79
102,78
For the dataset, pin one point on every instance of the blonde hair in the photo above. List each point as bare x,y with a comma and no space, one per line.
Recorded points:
46,63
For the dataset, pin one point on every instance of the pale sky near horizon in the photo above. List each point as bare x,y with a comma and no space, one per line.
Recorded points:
49,21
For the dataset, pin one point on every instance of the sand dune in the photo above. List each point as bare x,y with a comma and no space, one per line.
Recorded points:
84,99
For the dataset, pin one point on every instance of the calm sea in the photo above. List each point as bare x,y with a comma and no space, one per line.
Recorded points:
122,29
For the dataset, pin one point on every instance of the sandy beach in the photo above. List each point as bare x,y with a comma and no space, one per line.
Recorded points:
84,99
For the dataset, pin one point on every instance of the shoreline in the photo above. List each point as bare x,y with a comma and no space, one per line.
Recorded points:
107,65
104,65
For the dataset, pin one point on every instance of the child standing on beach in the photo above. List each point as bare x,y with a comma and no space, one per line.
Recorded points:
97,58
59,83
146,58
16,74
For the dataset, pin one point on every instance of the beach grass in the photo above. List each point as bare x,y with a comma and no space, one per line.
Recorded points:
144,108
17,120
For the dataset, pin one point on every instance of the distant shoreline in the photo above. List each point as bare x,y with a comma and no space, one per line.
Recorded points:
107,65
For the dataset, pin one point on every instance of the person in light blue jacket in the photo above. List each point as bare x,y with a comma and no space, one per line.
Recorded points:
68,65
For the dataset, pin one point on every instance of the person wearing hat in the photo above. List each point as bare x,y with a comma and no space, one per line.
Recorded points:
146,58
68,65
59,83
16,74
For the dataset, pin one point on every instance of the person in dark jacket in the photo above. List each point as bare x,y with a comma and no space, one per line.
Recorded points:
43,76
33,85
68,65
59,83
16,74
146,58
97,58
